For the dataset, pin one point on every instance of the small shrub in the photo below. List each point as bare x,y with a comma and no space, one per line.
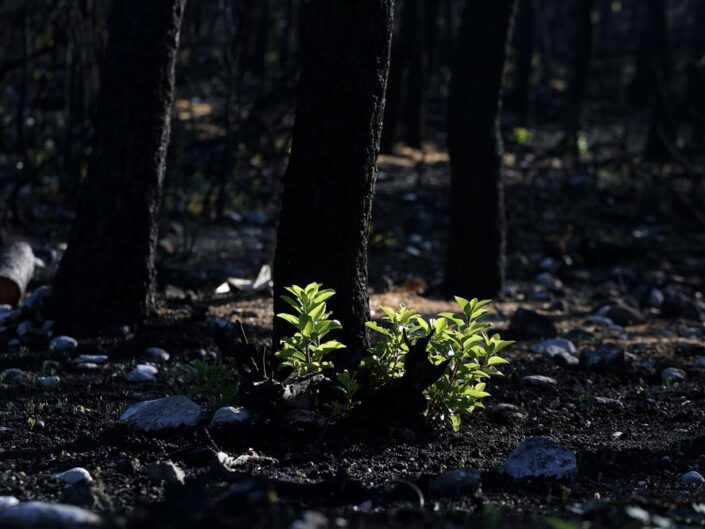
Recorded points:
462,341
305,351
386,359
215,382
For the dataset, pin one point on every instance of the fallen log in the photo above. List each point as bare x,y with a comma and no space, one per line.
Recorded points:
16,270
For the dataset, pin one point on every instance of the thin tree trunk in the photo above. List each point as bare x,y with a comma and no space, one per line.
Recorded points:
329,183
107,275
519,97
581,69
475,258
416,75
656,43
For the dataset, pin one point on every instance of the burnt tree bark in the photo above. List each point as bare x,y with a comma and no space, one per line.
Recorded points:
581,68
655,51
329,183
475,258
107,275
518,98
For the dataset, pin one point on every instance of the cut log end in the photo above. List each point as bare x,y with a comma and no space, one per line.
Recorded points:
16,270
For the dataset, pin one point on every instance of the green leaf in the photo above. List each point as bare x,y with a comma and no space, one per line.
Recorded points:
290,318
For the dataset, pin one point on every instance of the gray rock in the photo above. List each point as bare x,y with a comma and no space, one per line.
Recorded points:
539,381
142,373
692,478
36,300
48,382
655,298
15,376
74,475
167,472
90,359
163,414
700,362
504,412
8,501
529,325
601,321
606,356
673,374
24,328
547,280
454,483
39,514
554,345
157,353
538,457
623,315
63,343
230,415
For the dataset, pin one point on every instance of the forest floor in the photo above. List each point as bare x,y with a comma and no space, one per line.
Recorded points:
610,233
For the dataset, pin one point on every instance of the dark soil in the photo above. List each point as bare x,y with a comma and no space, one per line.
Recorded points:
630,456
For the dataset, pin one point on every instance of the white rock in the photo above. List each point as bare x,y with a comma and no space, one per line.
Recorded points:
142,373
539,380
157,353
75,475
230,415
692,478
673,374
41,514
163,414
538,457
48,382
63,343
90,359
8,501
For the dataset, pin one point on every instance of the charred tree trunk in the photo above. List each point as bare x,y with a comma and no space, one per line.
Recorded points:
518,98
581,68
415,86
655,44
475,258
329,183
107,275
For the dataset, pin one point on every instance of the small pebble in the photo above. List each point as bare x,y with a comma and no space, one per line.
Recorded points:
230,415
539,380
63,343
90,359
692,478
167,472
48,382
15,376
8,501
157,353
75,475
673,374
